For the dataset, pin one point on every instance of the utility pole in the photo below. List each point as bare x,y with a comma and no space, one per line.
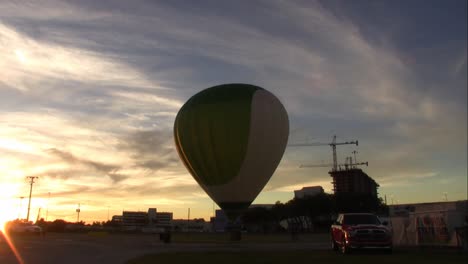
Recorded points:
38,214
31,182
47,210
188,220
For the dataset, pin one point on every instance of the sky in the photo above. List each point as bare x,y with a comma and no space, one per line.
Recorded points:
89,91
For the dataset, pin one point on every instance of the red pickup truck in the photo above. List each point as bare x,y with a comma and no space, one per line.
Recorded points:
353,231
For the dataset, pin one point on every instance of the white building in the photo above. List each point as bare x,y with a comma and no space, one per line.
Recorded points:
308,191
164,220
143,220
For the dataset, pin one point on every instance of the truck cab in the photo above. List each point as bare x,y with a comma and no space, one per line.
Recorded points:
360,230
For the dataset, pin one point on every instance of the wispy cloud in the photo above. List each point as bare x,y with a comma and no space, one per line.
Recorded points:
406,178
297,186
107,169
152,149
27,63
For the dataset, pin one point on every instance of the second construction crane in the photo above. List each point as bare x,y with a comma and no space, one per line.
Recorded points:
333,145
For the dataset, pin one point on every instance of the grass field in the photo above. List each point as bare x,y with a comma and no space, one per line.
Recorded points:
413,257
220,238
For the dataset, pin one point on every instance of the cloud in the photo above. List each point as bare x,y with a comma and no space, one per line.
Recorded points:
151,149
406,178
27,63
297,186
147,98
68,157
461,63
107,169
78,190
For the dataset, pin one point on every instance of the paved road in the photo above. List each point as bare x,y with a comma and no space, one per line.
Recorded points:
82,248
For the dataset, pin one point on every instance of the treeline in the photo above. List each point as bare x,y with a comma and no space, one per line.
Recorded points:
310,214
60,225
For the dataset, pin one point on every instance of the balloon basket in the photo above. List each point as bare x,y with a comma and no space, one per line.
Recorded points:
235,233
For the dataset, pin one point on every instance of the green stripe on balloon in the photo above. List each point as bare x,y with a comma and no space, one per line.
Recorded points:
212,130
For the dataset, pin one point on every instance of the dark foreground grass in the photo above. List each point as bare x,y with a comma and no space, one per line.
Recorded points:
407,257
223,238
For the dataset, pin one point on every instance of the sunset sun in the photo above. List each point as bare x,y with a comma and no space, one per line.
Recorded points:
8,205
7,213
20,56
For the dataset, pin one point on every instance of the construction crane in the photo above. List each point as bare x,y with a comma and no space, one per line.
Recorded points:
346,165
354,153
332,144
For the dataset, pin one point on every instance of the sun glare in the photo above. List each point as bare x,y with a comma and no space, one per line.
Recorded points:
7,212
21,56
8,205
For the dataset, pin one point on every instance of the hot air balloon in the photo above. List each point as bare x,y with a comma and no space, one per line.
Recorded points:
231,138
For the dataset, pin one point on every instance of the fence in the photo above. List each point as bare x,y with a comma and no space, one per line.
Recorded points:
437,228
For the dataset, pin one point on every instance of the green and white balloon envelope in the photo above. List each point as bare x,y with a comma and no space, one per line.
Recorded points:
231,138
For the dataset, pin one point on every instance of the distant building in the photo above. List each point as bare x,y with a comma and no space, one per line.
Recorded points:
308,192
164,220
353,181
132,220
152,216
220,221
192,225
117,219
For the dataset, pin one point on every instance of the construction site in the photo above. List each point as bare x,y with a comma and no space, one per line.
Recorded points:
347,177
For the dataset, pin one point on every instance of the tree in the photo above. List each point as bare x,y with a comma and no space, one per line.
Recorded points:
359,203
57,226
259,219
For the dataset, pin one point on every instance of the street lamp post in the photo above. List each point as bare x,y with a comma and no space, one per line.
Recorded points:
78,210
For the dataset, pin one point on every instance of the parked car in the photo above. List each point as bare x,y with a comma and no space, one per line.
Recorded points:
25,228
353,231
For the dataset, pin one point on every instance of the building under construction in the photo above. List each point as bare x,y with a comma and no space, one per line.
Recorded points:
353,181
350,180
